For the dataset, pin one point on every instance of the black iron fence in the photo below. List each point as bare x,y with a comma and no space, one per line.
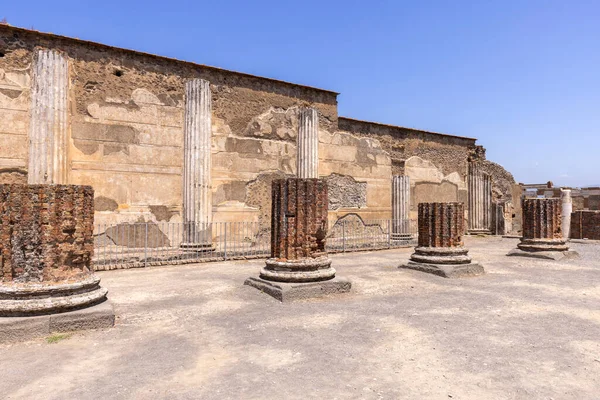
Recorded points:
141,244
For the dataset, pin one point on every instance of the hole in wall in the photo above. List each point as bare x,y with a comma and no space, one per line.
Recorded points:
118,72
1,54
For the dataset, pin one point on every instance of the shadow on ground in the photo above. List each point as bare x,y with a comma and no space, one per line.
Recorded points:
528,329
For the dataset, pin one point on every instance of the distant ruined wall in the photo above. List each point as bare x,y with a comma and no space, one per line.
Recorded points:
505,192
436,164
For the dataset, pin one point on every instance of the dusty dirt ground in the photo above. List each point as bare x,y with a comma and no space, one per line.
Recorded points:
528,329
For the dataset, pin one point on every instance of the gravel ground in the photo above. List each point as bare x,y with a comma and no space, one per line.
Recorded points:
528,329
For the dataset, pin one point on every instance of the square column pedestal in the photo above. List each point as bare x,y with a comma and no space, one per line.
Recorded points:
299,267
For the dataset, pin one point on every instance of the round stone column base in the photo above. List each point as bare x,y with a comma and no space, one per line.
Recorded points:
533,245
38,299
441,255
303,270
447,262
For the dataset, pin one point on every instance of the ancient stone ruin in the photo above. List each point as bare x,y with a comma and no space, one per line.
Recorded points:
480,200
440,250
401,208
197,196
542,233
299,266
46,247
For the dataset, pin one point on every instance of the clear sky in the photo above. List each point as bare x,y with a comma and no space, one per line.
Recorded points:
521,76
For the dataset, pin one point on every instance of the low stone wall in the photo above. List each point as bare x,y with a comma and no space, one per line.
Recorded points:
585,225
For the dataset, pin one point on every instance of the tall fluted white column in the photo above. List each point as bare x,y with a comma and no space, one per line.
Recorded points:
197,196
567,209
480,200
48,122
400,207
308,144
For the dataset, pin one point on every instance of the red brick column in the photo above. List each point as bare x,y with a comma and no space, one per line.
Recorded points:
440,250
542,226
46,247
298,229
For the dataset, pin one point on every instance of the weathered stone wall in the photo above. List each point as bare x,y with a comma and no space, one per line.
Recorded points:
126,133
585,225
126,136
15,89
46,232
447,152
436,163
367,167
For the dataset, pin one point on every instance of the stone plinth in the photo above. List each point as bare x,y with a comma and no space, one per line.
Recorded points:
401,208
440,249
197,196
46,246
542,233
299,266
480,200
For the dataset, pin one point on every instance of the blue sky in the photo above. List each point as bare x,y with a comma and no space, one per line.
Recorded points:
521,76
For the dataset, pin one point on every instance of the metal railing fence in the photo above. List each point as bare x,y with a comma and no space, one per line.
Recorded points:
141,244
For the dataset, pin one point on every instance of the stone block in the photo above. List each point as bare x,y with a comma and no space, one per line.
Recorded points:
99,316
447,270
16,329
286,292
545,255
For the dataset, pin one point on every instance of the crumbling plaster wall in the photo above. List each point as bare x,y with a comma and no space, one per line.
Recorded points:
505,192
126,137
15,81
436,164
126,133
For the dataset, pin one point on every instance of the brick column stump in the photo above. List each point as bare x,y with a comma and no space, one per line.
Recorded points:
542,231
46,247
440,249
299,266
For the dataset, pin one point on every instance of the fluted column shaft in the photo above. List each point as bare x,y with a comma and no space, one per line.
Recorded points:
197,199
542,219
542,226
308,144
400,205
567,209
480,199
441,224
48,122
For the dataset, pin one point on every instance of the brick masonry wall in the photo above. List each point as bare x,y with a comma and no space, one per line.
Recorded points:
585,225
46,232
298,218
